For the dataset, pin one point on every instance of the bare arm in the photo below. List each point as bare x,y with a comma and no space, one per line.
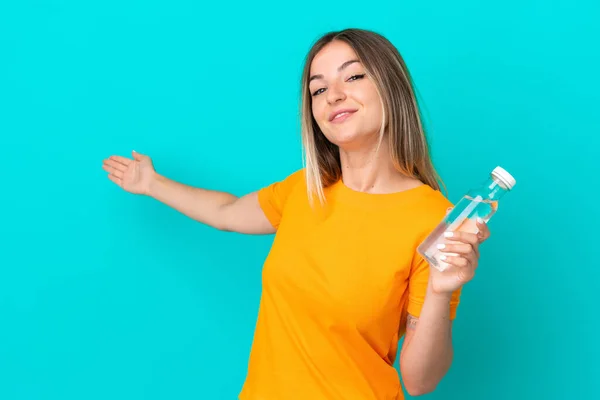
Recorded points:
427,352
220,210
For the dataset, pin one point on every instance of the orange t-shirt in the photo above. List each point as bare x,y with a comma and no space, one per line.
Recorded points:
337,286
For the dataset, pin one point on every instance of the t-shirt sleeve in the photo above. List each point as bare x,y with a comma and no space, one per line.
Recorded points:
272,198
417,288
419,273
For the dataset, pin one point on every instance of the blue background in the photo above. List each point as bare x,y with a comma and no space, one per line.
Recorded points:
107,295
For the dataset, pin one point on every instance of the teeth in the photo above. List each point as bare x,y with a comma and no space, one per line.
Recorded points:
341,115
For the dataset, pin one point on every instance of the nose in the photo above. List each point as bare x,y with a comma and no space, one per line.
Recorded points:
335,94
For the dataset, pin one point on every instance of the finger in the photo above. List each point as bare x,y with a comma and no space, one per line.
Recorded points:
456,260
462,267
458,248
460,236
137,156
465,251
112,171
484,231
448,210
116,180
121,160
115,165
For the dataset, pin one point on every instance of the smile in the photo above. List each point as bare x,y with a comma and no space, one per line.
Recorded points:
341,116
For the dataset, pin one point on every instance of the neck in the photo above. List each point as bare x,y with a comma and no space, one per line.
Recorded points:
371,170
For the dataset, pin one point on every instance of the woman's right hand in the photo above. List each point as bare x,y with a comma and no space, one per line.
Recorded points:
133,175
220,210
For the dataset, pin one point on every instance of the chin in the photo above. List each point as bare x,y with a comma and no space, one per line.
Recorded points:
341,140
350,140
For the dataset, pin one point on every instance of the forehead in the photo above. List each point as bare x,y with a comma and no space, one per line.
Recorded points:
331,57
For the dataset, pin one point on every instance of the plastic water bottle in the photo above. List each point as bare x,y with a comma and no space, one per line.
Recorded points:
480,202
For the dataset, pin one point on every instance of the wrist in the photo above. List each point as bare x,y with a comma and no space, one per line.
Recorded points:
439,295
153,182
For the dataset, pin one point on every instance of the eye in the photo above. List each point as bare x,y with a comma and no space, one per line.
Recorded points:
352,78
356,77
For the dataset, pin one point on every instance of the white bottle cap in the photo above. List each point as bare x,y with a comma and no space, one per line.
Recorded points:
503,176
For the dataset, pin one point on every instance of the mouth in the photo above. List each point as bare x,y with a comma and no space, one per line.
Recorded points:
341,115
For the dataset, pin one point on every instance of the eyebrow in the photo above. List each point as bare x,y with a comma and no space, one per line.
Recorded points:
340,68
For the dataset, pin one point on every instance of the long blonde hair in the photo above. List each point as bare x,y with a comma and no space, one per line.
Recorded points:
407,141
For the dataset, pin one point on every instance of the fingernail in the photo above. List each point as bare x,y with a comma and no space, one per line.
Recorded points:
480,220
448,234
443,257
441,246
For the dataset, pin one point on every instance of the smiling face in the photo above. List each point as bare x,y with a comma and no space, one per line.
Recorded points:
382,99
345,102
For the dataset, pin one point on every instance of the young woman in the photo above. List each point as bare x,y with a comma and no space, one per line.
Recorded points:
343,281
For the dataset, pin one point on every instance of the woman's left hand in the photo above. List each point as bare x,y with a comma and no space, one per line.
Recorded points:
463,257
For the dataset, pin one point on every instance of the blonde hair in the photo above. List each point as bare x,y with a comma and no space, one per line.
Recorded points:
407,141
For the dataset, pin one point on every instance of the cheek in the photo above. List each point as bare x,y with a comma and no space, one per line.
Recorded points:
318,111
377,111
366,95
375,108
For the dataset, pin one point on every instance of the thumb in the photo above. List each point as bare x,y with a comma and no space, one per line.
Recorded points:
137,156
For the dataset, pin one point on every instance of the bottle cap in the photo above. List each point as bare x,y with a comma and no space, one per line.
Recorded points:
503,176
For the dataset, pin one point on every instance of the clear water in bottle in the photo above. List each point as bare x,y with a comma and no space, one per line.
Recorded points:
481,202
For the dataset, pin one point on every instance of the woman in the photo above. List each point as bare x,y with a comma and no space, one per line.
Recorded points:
343,281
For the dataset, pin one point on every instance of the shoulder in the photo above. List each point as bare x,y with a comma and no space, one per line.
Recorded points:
275,195
290,182
433,199
429,209
296,177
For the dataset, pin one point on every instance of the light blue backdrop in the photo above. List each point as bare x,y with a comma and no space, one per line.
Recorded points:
105,295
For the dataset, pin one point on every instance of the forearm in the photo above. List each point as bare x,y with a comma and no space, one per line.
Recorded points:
202,205
428,355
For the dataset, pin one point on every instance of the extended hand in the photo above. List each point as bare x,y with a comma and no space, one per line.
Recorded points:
134,176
